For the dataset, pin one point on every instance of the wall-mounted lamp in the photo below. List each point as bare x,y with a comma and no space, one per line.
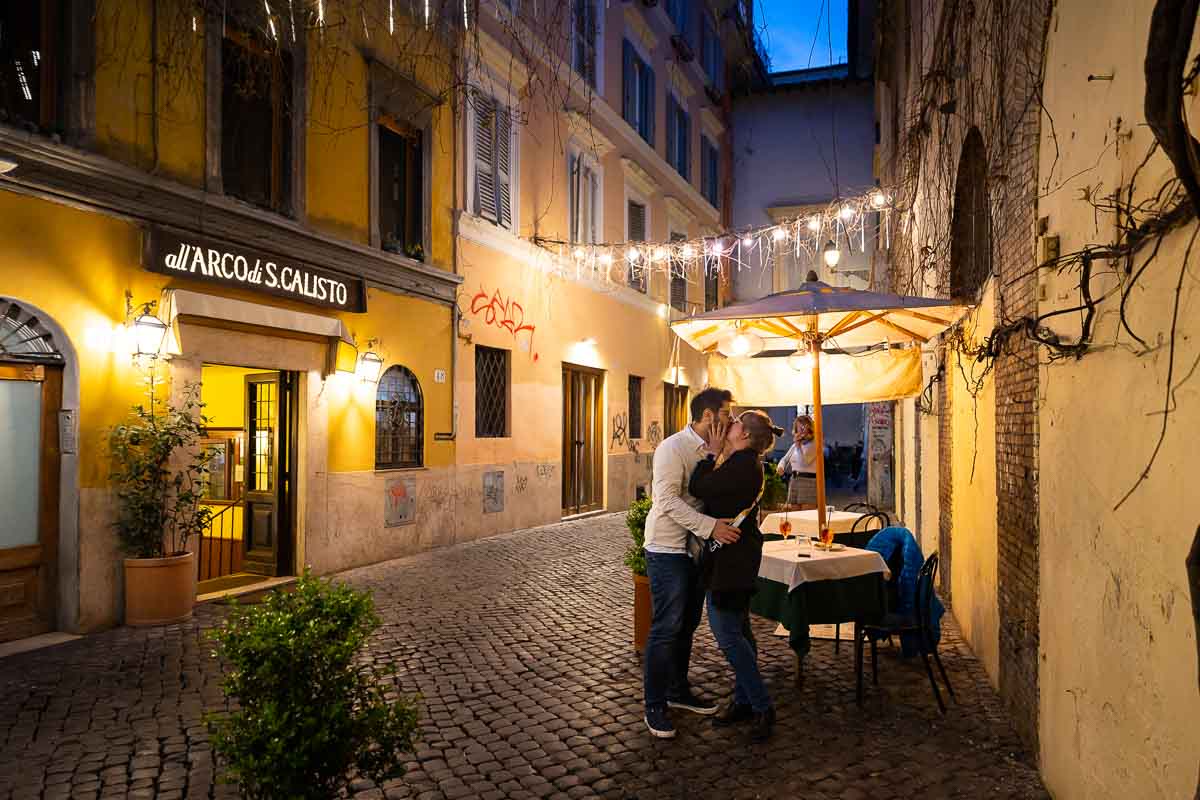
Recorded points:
148,330
370,364
589,341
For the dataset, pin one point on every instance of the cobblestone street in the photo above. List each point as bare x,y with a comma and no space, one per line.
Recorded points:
521,648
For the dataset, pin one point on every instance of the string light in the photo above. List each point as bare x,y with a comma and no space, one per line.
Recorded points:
717,248
879,199
779,234
660,254
687,251
747,241
579,252
847,213
814,224
606,259
632,254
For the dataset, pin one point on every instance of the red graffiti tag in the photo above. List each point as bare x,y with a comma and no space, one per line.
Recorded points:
501,313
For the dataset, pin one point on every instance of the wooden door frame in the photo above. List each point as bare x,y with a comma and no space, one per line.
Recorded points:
44,554
598,452
286,441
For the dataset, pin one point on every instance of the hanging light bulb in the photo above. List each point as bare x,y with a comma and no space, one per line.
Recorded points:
717,248
633,254
740,344
847,213
687,251
579,252
832,254
660,254
879,199
779,234
747,241
606,259
814,224
802,360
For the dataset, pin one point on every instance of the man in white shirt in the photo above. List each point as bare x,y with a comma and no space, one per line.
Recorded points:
676,594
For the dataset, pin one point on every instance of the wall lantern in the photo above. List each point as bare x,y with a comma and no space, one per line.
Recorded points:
832,254
149,331
370,366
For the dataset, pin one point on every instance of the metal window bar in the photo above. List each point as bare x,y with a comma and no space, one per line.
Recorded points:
491,392
399,420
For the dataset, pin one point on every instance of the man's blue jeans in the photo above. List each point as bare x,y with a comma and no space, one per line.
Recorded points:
678,602
730,628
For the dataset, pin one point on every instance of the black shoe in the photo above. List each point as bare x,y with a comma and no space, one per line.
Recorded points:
732,713
658,723
692,702
762,726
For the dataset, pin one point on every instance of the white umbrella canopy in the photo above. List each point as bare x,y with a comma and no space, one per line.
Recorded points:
842,316
807,320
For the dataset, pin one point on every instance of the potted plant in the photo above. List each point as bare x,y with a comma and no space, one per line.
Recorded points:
158,474
635,559
309,712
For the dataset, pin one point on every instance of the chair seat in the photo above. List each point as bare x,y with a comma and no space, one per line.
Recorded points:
893,622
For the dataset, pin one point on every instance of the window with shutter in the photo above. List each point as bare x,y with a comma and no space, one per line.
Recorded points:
709,172
586,34
637,233
678,279
637,92
493,140
635,407
584,194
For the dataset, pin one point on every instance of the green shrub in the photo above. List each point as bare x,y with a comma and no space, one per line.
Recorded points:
158,475
775,491
635,520
307,711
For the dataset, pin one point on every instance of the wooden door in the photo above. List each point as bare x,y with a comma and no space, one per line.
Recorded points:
30,396
583,430
269,473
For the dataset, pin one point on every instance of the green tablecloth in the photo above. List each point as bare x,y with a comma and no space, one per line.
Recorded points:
862,599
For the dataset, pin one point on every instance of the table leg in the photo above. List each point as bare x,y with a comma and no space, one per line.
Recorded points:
858,663
799,670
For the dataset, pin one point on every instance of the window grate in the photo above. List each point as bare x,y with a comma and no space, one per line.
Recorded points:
635,407
399,420
491,392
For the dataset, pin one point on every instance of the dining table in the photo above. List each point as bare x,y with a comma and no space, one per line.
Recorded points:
800,584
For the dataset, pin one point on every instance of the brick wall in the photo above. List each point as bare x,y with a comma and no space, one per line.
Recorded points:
945,479
1016,375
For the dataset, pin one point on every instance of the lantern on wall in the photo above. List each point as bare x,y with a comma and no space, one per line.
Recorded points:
370,366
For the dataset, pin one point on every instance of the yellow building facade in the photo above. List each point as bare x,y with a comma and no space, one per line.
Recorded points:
395,352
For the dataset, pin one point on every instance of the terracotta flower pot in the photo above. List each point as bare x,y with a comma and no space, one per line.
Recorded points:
159,590
641,612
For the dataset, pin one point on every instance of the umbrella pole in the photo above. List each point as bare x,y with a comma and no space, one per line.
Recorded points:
818,435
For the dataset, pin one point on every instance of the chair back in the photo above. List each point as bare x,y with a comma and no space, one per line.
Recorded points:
926,580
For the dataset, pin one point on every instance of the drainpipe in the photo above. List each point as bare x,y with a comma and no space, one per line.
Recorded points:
455,312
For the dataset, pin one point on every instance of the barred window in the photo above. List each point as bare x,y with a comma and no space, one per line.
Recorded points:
675,408
399,420
635,407
491,393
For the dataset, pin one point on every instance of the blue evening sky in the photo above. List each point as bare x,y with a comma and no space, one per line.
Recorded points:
789,29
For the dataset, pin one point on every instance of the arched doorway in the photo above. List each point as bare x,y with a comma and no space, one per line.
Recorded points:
31,383
971,227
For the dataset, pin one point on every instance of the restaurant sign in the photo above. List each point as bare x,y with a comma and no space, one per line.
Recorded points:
171,253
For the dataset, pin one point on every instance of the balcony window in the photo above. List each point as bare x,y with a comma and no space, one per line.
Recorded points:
678,137
638,93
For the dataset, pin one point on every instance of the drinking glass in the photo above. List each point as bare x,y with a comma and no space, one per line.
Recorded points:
827,529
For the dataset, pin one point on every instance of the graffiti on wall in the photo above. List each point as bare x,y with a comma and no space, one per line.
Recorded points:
654,434
493,492
400,502
507,314
620,434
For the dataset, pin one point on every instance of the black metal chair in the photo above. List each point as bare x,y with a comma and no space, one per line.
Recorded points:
894,624
859,536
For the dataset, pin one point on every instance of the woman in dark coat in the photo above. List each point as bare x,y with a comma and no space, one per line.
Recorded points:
730,482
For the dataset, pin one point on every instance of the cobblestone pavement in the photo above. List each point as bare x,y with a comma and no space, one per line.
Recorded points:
521,648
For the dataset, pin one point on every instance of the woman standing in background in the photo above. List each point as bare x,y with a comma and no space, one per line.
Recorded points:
799,465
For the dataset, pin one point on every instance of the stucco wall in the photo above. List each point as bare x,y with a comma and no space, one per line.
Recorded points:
973,578
1118,670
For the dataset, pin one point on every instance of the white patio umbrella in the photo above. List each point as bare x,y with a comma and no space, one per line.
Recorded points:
809,321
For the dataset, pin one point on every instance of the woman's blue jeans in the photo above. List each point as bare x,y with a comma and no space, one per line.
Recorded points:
730,628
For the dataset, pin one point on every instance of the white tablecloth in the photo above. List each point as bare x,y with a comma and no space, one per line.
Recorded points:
805,522
781,564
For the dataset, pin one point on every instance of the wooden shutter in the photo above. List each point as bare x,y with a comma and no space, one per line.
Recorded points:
485,156
672,134
574,169
504,139
647,104
684,133
628,88
637,222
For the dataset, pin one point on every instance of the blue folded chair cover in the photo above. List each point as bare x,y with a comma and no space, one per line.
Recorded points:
886,543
